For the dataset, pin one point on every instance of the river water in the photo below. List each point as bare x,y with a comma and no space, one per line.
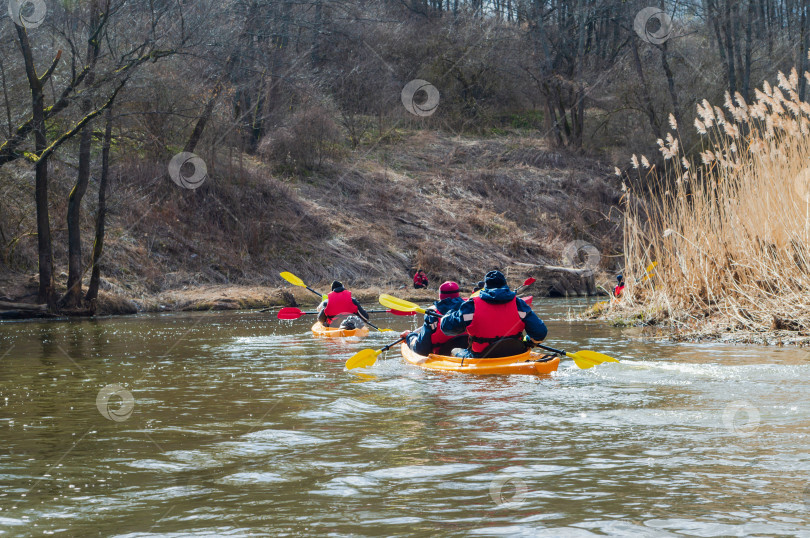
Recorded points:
236,424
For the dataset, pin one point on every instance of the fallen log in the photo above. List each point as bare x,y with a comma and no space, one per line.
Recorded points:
20,314
23,307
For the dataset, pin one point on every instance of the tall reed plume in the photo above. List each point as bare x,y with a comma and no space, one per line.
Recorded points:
730,233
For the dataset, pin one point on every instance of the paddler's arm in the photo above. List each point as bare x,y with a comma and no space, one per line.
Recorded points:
322,312
360,309
535,327
419,341
455,322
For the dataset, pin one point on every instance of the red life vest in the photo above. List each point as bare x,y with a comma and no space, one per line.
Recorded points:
617,291
338,303
439,337
492,322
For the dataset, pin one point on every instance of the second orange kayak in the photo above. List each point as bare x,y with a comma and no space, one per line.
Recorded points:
335,332
526,363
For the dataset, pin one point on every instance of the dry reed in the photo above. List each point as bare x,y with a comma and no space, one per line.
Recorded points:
730,233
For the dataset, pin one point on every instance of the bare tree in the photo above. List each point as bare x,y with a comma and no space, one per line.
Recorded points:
36,83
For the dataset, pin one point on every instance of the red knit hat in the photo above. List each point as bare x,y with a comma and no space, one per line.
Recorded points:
448,289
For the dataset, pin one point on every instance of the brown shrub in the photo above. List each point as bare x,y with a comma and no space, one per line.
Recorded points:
306,139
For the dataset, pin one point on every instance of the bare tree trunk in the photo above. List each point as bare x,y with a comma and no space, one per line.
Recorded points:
578,106
44,248
5,99
714,22
770,18
199,127
648,105
738,56
761,19
803,52
98,244
257,120
728,30
316,31
73,295
746,85
673,92
549,87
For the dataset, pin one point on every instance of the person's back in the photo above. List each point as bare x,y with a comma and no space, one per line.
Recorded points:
339,304
495,321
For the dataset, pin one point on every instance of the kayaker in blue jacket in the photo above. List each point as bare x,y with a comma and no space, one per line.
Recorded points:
430,338
495,321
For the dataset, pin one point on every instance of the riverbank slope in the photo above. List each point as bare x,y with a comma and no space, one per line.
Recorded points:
453,206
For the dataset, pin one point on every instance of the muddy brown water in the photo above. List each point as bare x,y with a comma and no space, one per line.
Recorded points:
235,424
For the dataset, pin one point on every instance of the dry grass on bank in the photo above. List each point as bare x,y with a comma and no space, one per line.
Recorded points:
731,234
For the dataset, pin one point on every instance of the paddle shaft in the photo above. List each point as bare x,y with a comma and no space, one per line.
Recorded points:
315,292
367,311
389,346
557,351
371,324
303,312
530,281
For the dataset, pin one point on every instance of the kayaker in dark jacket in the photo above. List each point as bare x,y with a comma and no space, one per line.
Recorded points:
430,338
339,302
495,321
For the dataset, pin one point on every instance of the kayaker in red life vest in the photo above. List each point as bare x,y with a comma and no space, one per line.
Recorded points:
339,303
495,321
617,291
420,280
430,338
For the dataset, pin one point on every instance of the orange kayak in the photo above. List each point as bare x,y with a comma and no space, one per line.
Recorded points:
526,363
334,332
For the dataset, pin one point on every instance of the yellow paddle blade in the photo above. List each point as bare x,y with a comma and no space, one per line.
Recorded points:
395,303
292,279
596,356
476,294
362,359
588,359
